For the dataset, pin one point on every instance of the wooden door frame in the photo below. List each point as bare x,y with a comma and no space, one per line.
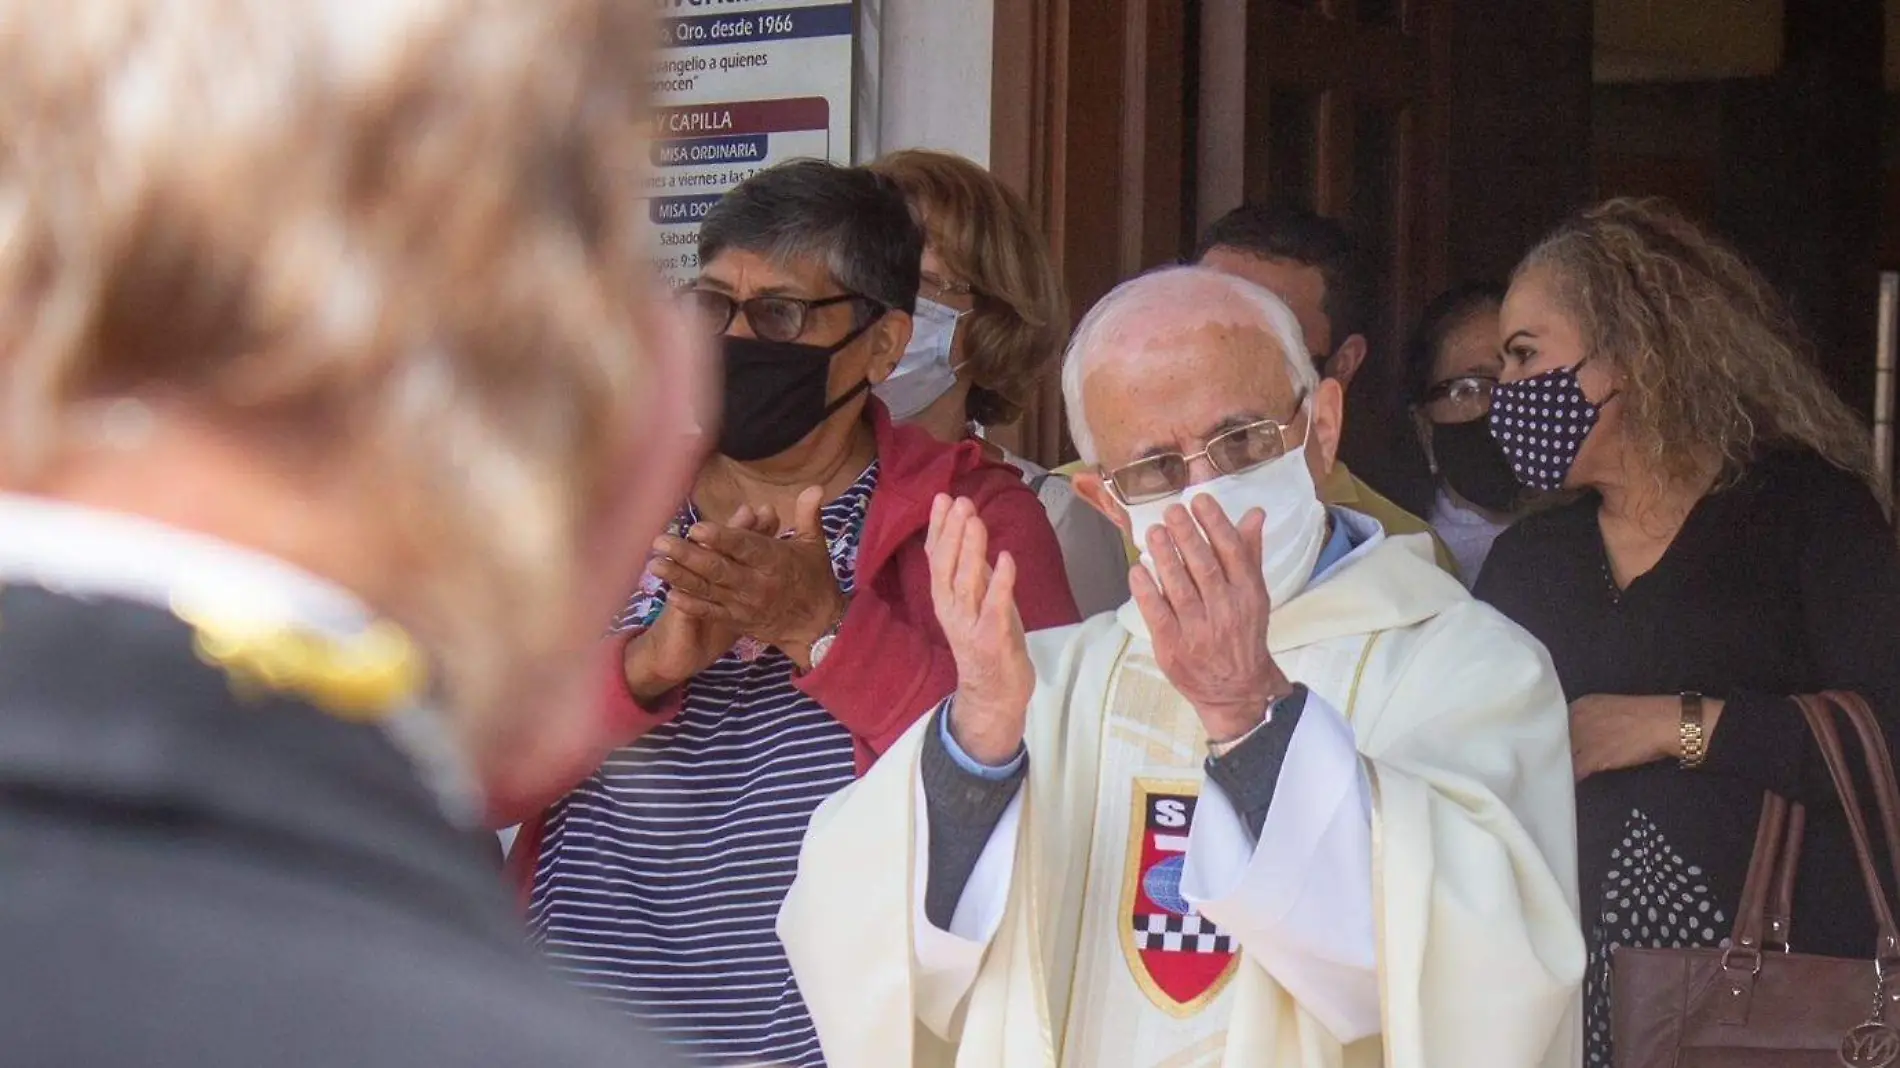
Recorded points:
1087,122
1346,66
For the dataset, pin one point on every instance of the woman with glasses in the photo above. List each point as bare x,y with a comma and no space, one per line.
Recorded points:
991,322
1725,548
1451,362
783,636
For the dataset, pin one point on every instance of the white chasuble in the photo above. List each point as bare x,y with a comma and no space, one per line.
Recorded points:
1152,983
1099,960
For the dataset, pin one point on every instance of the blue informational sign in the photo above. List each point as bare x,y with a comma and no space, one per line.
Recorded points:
740,85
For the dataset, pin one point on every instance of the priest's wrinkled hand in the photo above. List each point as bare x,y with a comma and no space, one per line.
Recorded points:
1208,615
976,607
780,591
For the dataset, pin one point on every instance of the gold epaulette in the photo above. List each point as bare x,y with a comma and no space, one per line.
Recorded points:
361,678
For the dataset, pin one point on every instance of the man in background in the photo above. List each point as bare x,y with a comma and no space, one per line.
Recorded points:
1314,264
335,425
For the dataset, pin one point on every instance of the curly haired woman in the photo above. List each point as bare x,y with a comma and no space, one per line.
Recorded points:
1726,548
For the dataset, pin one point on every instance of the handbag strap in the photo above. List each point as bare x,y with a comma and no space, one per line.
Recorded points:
1821,723
1766,908
1778,935
1873,742
1770,833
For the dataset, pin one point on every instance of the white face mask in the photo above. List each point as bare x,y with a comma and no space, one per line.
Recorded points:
1296,521
925,373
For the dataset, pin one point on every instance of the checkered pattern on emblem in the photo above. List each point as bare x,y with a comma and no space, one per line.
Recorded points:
1181,934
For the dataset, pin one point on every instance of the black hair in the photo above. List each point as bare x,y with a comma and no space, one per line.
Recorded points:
1283,230
1447,312
854,221
1405,473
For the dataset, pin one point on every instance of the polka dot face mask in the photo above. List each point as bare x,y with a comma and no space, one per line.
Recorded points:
1540,424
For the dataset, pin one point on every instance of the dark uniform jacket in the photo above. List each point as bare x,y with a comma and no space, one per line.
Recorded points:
195,879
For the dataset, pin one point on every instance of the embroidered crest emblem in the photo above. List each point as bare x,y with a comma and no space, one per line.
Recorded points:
1178,957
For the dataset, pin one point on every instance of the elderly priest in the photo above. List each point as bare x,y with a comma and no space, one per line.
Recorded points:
1301,802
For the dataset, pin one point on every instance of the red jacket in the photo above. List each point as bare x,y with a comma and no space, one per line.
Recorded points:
890,663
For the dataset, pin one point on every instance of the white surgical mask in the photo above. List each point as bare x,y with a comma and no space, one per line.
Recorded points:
1296,521
925,372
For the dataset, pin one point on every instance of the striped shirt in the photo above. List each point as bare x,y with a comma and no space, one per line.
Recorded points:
660,878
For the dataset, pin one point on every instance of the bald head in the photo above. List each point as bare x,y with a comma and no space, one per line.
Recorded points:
1179,318
1171,359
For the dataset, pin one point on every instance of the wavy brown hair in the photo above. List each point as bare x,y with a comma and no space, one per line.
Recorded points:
983,233
1714,369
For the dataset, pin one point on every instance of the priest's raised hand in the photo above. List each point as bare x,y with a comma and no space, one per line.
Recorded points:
976,607
1208,615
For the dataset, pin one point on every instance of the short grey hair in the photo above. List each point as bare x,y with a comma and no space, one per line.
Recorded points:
853,220
1175,296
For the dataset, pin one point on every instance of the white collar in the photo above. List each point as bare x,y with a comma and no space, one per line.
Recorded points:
91,553
88,552
1449,509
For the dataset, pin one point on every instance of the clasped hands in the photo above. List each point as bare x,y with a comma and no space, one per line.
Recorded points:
738,579
1207,617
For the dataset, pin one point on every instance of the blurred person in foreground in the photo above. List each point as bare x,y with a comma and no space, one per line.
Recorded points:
991,322
1150,839
783,637
331,433
1724,548
1452,363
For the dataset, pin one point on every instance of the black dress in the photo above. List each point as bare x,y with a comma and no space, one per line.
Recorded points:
1786,582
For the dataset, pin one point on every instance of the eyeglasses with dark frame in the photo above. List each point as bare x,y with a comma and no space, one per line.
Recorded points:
771,318
1461,397
1230,452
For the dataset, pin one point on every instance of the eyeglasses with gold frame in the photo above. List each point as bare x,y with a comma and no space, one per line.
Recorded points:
1231,452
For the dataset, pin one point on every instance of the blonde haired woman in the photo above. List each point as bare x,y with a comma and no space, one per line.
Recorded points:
991,324
1726,548
333,427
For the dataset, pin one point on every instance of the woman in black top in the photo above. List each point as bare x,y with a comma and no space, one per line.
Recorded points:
1728,541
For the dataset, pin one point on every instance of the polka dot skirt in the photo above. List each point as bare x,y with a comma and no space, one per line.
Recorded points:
1651,898
1540,424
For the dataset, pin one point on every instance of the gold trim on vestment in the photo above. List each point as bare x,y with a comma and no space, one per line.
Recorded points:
1088,862
1378,857
1359,674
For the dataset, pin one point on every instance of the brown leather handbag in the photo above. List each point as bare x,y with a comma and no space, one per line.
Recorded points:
1757,1004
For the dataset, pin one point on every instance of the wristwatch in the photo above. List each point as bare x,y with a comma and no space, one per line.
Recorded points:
821,647
1695,739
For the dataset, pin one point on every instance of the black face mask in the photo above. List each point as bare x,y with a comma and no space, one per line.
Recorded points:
775,394
1474,466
